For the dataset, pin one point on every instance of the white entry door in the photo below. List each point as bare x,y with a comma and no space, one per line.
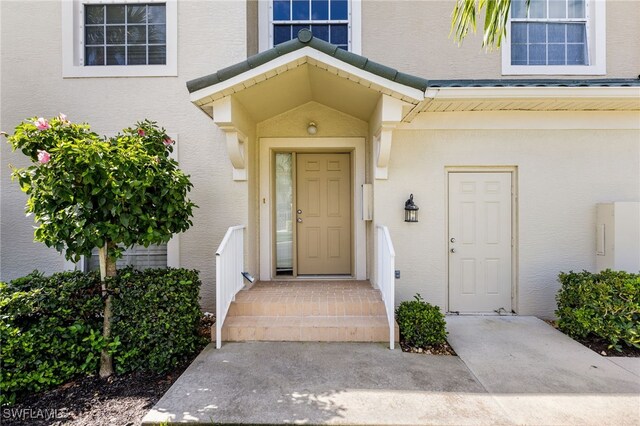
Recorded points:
479,242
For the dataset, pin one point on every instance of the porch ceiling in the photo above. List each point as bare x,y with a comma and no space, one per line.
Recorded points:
307,83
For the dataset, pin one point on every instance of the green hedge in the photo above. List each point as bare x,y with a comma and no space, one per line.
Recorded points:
604,305
51,327
45,325
421,324
156,317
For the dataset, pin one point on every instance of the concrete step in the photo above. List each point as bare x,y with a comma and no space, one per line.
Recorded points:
248,304
307,328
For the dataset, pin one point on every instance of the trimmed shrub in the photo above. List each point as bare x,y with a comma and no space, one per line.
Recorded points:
51,327
421,324
156,317
603,305
48,326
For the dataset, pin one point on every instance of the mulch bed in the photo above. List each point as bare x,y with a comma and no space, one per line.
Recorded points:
120,400
602,347
444,349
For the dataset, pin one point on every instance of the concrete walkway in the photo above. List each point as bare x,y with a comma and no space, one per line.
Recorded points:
511,370
538,375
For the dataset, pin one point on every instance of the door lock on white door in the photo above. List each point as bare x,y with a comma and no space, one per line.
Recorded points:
452,250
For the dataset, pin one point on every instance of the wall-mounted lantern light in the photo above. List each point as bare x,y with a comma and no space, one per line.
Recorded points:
410,210
312,129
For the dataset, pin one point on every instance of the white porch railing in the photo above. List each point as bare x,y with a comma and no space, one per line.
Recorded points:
385,277
229,268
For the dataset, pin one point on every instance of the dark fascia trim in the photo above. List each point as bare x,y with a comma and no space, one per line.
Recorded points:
610,82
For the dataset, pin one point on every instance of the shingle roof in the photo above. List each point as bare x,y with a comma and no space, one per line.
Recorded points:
305,38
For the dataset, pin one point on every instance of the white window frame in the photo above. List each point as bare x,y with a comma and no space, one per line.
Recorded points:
265,25
596,44
73,43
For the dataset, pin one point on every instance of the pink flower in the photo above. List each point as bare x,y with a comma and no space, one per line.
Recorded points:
141,132
43,156
168,141
42,124
63,118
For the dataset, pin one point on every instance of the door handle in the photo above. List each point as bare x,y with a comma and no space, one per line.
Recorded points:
452,250
299,220
299,211
453,240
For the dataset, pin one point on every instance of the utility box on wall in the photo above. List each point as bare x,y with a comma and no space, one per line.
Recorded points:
618,236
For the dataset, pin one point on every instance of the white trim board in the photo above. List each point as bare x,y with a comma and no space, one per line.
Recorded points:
521,120
267,147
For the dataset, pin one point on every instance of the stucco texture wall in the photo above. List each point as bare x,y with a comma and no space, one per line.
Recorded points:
562,174
32,84
413,36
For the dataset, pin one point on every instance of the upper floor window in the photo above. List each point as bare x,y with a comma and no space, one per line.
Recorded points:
123,38
121,34
555,37
327,19
334,21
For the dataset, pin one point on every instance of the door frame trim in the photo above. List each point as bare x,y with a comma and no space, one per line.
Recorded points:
513,170
267,146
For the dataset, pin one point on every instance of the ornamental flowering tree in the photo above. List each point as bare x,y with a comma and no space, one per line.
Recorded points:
86,191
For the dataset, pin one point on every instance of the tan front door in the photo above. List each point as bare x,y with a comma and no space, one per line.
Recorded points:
323,214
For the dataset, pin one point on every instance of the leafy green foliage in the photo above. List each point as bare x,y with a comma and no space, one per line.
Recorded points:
44,325
464,17
421,324
86,191
50,327
604,305
156,317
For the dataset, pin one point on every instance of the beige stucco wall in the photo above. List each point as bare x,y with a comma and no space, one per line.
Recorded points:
413,36
562,174
32,84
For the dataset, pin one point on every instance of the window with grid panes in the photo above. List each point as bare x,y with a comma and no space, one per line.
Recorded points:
550,32
327,19
125,34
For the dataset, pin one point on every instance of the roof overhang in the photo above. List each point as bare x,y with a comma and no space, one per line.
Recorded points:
530,98
306,75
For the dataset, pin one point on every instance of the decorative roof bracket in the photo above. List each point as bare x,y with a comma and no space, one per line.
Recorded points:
227,113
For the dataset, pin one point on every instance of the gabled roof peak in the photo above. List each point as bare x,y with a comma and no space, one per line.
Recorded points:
305,38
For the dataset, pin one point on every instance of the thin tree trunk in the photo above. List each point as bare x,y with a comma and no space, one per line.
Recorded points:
107,269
